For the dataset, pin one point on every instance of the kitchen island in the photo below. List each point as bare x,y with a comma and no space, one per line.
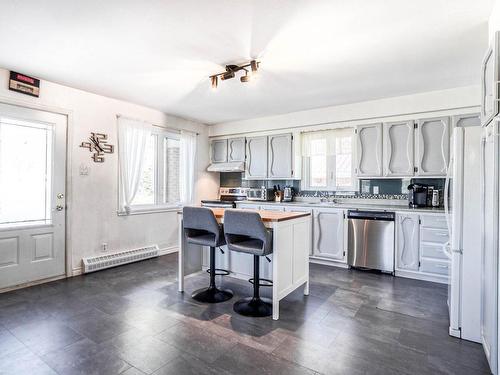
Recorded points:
290,258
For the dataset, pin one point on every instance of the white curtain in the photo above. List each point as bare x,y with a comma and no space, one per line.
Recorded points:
310,147
187,167
133,136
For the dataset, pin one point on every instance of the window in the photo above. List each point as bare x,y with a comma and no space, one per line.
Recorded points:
26,150
160,178
328,160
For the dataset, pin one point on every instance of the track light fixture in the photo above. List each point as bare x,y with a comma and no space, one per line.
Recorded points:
250,69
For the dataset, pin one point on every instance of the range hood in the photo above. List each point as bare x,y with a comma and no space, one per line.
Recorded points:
227,167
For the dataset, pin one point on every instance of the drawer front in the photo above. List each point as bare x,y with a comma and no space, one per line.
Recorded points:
432,251
247,206
439,236
438,267
272,208
434,221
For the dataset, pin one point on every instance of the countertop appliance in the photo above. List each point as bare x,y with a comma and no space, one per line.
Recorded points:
260,194
287,194
464,247
370,239
227,198
417,195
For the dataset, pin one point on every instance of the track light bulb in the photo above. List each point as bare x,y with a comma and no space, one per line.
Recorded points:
215,81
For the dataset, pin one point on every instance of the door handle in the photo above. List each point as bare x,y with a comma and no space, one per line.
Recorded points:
60,196
59,207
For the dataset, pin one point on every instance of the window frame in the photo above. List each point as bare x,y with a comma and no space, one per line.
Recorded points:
331,170
135,209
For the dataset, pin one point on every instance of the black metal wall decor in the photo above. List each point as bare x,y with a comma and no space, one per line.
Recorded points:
98,144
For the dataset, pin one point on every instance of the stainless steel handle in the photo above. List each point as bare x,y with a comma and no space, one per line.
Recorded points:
59,207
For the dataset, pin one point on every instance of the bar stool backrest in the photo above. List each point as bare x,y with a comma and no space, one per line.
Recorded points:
201,220
239,224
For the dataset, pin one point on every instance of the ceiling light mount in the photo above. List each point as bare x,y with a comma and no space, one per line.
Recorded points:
249,68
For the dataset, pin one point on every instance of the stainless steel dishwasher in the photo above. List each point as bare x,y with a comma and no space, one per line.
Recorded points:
370,242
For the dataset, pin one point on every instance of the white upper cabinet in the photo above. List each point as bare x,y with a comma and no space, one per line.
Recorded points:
280,156
256,165
369,150
398,148
490,76
432,146
236,149
218,151
328,234
407,247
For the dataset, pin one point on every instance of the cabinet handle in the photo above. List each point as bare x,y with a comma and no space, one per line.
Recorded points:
441,266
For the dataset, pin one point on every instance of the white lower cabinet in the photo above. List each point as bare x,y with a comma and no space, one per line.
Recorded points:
329,234
419,247
407,243
302,209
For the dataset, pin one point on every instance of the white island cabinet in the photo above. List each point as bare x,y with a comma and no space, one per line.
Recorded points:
289,261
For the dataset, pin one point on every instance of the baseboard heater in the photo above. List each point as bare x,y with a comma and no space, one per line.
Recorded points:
102,262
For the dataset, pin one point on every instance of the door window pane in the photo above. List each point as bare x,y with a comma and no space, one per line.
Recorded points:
25,171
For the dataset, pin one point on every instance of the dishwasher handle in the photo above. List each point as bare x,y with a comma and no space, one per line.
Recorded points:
371,215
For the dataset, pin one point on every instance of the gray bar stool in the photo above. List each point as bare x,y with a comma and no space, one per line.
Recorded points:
201,228
245,232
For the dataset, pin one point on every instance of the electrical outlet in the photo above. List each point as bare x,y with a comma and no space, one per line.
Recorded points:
104,246
375,190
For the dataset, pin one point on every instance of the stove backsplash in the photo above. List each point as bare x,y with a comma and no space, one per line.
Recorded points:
387,188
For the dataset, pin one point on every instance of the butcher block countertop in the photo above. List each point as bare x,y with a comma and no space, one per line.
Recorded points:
266,216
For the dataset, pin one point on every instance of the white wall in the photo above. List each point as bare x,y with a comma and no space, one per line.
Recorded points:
494,21
92,199
458,100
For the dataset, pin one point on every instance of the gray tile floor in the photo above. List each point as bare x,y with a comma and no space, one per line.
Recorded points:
131,320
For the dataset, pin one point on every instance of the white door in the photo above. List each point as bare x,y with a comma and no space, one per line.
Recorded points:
280,156
329,233
407,231
433,146
369,150
32,195
398,148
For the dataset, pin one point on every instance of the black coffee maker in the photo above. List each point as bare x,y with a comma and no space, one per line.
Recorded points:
417,195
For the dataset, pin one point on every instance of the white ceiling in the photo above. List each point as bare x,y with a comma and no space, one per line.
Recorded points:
314,53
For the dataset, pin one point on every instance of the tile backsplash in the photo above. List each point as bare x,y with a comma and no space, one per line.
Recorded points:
396,188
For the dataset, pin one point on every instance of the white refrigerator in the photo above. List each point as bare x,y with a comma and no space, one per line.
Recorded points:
462,205
489,222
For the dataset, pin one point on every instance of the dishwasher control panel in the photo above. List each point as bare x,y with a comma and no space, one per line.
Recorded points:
371,215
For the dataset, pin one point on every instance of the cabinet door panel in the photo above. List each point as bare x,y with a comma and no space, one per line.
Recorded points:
235,149
328,234
433,146
280,156
218,151
369,150
256,165
398,148
407,242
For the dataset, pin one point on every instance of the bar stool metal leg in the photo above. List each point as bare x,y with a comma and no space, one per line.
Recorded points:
212,294
255,306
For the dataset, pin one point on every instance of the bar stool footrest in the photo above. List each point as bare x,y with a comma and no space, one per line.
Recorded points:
220,272
266,283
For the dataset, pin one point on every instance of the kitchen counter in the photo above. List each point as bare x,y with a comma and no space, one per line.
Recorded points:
353,206
266,215
289,267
